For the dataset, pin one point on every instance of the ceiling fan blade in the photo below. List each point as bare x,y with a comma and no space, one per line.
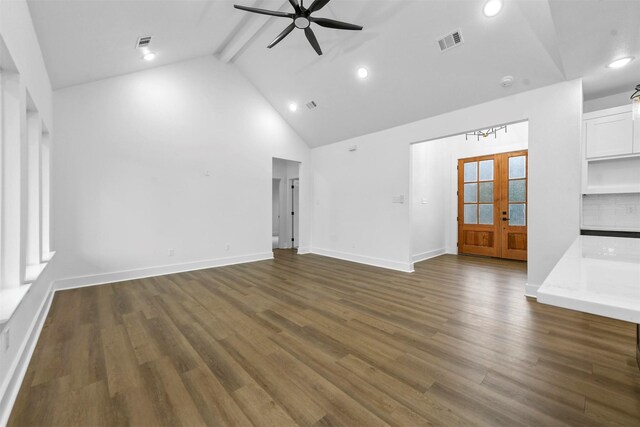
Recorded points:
295,5
312,39
282,35
317,5
331,23
264,11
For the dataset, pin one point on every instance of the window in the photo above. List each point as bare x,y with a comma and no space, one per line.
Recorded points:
13,116
45,200
34,138
24,192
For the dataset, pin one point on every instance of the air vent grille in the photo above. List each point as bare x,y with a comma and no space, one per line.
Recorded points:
450,41
311,105
143,41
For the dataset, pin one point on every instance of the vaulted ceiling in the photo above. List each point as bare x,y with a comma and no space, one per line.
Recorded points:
538,42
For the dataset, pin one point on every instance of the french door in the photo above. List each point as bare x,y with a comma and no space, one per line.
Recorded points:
492,205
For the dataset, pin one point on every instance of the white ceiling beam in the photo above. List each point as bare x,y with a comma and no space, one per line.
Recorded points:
247,32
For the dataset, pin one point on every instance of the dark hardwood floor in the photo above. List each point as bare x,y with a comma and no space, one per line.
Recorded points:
309,340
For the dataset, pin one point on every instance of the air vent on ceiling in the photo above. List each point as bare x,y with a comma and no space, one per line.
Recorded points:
450,41
143,41
311,105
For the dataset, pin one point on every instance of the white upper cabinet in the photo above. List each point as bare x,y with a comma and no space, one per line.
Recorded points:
611,152
610,135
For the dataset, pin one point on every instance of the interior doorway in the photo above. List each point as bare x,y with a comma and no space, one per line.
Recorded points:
492,205
285,203
434,198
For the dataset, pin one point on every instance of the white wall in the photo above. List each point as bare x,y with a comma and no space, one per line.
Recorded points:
177,157
353,215
610,101
19,38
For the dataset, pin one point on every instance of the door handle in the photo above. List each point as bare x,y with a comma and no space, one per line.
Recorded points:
506,219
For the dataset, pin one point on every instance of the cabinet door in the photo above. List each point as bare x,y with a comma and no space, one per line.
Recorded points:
609,135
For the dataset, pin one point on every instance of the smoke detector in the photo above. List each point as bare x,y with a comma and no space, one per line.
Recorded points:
450,41
506,81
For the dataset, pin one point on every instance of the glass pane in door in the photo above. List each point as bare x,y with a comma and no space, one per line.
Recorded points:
485,213
486,170
486,192
518,190
471,214
517,167
517,212
471,172
470,193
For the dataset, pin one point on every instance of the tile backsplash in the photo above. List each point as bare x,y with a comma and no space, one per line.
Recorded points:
611,212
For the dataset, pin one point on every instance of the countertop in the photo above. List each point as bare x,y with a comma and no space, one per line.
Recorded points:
598,275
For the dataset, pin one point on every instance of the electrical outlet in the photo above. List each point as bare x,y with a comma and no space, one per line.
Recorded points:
171,252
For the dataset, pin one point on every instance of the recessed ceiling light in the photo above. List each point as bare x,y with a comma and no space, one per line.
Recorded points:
293,107
619,63
149,56
363,73
492,8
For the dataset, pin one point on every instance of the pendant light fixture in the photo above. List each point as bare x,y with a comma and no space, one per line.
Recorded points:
635,101
486,132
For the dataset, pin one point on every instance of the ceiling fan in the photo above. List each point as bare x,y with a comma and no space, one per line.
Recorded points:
302,19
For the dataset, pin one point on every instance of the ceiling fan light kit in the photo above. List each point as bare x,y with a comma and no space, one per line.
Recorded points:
302,20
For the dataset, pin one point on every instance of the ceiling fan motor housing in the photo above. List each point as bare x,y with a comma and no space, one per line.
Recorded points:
302,22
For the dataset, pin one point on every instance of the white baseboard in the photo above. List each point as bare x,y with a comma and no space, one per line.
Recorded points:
429,254
19,368
406,267
102,279
531,290
304,250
